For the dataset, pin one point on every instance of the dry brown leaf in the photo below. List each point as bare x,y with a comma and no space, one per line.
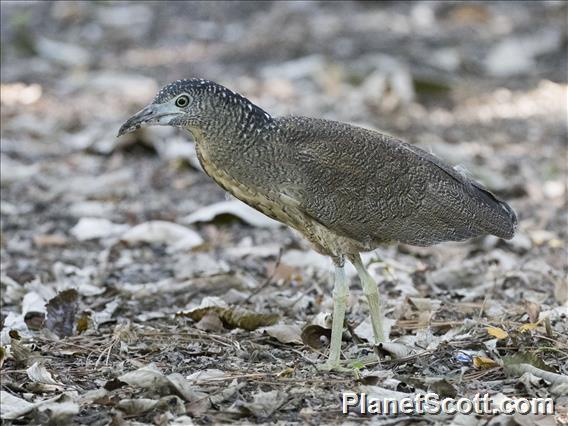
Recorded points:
233,317
532,309
314,335
61,312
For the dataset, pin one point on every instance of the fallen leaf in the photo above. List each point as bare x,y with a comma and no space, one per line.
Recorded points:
383,394
528,327
302,259
264,403
150,377
533,310
422,304
50,240
140,406
227,392
61,312
526,358
315,335
233,208
84,280
33,310
91,228
484,363
235,317
497,332
162,232
364,330
210,322
518,369
284,333
396,349
59,408
13,407
39,374
202,376
230,316
443,389
106,314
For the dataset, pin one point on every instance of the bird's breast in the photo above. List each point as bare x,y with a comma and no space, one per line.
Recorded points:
263,199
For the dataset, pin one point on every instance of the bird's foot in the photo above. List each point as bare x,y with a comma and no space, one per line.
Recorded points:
360,363
333,366
349,366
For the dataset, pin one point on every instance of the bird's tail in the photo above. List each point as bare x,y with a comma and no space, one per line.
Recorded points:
503,223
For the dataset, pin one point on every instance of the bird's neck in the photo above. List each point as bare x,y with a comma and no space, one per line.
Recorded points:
230,141
231,123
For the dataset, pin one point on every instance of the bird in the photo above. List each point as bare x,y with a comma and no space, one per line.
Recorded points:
346,189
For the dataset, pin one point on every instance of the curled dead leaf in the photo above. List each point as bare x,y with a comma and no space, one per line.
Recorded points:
233,317
315,335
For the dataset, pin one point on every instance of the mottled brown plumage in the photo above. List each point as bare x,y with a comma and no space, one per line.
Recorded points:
345,188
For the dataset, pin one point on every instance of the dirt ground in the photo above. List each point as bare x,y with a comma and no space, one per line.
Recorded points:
135,291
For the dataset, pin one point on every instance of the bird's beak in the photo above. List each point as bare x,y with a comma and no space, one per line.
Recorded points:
159,114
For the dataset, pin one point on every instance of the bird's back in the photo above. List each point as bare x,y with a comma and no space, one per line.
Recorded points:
374,188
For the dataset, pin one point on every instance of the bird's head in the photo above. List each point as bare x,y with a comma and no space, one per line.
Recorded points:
192,104
175,105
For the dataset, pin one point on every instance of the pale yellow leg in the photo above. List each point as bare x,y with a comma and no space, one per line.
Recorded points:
372,293
340,293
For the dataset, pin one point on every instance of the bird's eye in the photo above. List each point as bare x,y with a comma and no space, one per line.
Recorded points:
182,101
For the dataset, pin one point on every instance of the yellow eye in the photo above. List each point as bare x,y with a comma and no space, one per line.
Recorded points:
182,101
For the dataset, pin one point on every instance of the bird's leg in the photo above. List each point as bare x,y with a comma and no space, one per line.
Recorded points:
340,293
372,293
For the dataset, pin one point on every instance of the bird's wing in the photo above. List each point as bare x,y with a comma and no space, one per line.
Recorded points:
371,187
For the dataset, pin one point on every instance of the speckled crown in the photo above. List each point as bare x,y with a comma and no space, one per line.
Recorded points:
199,85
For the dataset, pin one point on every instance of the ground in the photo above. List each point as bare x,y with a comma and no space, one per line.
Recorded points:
135,291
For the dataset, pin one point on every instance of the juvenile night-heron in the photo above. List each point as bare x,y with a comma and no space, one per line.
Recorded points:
344,188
